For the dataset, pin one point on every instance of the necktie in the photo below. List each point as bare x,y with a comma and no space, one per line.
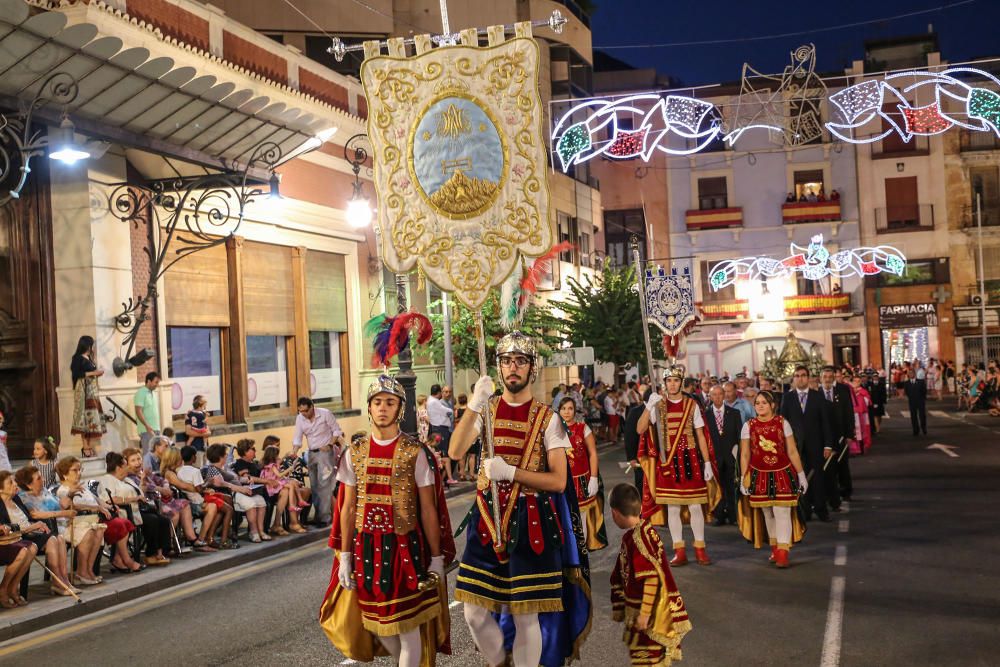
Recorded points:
802,399
829,395
718,420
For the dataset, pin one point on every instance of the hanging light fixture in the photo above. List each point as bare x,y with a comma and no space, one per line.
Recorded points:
274,183
63,145
359,212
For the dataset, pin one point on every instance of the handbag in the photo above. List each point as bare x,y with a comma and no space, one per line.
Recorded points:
10,538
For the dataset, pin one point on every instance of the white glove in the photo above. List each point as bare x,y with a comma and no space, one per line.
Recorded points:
654,398
592,487
437,566
736,451
744,490
803,482
708,474
346,571
498,470
481,394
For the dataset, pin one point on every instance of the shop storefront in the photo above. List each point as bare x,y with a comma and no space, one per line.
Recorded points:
909,332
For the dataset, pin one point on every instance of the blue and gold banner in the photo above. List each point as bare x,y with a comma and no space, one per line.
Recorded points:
670,300
459,159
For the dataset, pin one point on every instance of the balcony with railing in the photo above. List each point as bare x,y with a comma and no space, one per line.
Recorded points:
714,218
793,213
990,213
969,141
904,218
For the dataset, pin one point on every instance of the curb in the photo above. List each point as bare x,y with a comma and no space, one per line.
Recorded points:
111,597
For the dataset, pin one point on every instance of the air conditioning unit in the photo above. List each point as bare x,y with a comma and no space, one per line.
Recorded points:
977,300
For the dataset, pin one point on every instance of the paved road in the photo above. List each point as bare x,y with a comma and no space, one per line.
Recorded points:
912,566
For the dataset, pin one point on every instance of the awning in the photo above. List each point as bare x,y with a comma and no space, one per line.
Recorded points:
132,96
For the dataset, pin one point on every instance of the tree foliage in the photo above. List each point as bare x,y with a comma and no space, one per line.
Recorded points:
539,323
603,312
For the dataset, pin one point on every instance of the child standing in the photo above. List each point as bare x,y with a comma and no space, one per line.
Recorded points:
643,592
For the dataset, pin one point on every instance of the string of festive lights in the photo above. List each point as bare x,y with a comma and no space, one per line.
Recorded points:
813,262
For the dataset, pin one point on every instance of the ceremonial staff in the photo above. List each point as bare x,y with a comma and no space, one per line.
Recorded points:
488,423
634,245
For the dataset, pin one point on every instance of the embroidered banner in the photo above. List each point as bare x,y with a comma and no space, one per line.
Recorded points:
459,159
669,300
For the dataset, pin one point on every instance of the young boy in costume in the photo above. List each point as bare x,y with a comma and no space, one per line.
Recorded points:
643,592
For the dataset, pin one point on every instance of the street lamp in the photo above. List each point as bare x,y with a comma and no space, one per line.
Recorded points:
359,213
63,145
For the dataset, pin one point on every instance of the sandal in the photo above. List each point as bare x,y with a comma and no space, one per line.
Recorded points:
266,537
279,531
297,529
8,603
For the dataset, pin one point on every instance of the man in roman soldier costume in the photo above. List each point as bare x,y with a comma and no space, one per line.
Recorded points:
678,466
524,580
392,531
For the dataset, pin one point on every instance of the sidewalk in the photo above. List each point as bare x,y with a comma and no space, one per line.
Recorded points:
44,610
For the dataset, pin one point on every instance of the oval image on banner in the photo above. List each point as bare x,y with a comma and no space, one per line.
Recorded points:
176,396
251,389
312,384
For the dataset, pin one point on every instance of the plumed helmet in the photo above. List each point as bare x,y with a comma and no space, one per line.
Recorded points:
675,371
517,342
386,384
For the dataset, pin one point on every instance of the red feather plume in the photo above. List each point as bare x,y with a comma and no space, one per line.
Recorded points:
540,268
402,325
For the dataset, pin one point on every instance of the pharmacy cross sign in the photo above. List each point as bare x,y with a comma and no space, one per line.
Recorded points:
941,294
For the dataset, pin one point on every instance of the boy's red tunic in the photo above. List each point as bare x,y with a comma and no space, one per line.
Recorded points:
641,558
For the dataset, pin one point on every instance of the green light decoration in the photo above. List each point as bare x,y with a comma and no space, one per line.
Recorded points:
574,141
985,104
895,264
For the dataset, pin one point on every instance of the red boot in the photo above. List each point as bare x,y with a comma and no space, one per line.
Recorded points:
680,557
781,558
702,556
774,553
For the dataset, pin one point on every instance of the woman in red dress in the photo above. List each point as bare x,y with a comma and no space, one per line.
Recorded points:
771,474
585,474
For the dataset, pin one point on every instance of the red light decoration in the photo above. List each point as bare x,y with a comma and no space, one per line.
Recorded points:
628,144
925,120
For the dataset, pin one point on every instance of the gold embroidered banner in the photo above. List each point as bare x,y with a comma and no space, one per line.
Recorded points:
459,160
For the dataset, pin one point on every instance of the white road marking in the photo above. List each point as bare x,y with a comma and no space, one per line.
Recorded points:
843,525
940,414
947,449
840,556
906,414
348,662
834,624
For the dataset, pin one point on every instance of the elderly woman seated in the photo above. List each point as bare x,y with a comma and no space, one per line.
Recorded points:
127,499
13,510
15,558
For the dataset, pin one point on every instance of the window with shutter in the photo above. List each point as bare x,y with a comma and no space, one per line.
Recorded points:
268,295
196,289
712,193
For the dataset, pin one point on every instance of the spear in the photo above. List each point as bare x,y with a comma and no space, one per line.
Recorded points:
634,245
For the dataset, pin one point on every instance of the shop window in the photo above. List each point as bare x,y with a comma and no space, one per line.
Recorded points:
267,372
712,193
194,365
325,379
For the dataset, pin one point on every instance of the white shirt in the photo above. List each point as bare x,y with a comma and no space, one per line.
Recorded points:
438,412
698,421
321,431
609,406
555,435
345,474
192,476
745,433
119,489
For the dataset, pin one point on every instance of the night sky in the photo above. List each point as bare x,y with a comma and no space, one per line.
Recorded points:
964,32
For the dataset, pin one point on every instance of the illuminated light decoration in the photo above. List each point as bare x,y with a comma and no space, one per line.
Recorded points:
577,138
787,104
925,121
956,104
813,262
985,105
628,144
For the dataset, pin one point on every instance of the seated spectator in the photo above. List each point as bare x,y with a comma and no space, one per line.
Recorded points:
212,506
14,514
244,499
41,505
835,195
44,461
297,497
821,196
124,499
156,489
15,557
790,199
292,465
803,198
250,472
811,197
158,445
85,530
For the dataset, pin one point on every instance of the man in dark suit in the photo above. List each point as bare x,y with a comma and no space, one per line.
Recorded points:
807,415
840,406
724,424
916,396
631,435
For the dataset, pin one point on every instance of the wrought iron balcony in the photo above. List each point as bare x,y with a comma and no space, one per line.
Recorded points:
904,218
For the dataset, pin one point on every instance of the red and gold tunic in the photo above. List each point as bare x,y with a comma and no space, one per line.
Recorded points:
770,479
389,553
591,507
680,480
641,584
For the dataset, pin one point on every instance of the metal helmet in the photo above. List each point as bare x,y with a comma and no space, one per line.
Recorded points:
517,342
386,384
676,371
